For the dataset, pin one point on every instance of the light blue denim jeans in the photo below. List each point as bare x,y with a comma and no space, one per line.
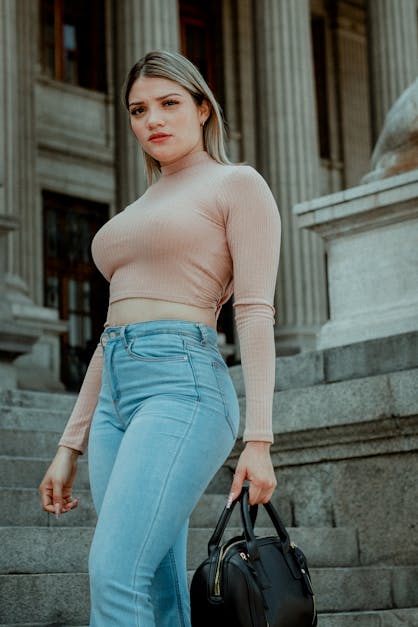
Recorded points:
166,419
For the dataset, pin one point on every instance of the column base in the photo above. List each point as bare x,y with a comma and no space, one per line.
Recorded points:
291,340
15,339
39,369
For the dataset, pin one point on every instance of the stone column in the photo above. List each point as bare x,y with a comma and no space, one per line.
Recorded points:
289,160
15,338
141,26
393,54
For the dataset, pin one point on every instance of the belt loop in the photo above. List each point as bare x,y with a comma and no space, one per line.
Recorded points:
203,332
123,335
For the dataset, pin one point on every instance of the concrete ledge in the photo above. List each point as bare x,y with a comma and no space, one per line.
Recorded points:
342,363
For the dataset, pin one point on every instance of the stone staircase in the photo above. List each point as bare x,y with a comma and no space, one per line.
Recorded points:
43,562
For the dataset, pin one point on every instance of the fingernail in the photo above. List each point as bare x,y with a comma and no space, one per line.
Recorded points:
57,510
230,499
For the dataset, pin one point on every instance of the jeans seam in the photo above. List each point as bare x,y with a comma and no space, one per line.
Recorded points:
173,566
215,366
194,374
181,443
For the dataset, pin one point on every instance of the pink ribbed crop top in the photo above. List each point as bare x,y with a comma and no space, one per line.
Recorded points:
202,232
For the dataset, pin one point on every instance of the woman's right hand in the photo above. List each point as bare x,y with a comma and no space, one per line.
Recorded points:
56,486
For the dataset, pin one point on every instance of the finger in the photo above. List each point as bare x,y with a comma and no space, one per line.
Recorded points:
57,499
45,493
254,494
70,505
236,487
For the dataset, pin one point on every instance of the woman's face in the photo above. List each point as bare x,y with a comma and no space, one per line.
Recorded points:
165,119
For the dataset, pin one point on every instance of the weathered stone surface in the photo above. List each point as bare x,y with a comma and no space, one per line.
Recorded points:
53,598
371,357
379,496
375,227
27,472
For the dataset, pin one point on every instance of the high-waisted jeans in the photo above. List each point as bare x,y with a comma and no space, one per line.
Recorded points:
166,419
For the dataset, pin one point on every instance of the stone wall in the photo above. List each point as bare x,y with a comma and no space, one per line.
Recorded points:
346,437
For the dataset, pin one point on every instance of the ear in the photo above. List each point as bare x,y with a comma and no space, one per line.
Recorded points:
204,112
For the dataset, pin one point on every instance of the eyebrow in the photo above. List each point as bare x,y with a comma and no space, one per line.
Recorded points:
140,102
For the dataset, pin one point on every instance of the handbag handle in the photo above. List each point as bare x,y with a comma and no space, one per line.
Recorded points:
248,522
248,518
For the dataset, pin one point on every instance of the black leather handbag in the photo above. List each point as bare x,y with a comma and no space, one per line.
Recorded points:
252,581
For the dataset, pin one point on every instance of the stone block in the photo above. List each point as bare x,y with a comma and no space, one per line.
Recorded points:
328,405
27,472
31,419
295,371
15,442
379,496
21,506
404,390
32,399
54,598
405,588
386,618
371,357
301,370
375,227
343,589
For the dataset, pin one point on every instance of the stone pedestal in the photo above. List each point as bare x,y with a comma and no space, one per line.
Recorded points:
15,339
371,232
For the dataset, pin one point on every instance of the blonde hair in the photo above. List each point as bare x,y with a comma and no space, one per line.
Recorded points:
175,67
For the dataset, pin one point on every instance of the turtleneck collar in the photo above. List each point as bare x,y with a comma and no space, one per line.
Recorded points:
191,159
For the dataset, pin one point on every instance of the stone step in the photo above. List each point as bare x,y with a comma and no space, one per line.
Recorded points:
26,443
60,598
385,618
406,617
27,472
35,550
21,506
33,418
44,400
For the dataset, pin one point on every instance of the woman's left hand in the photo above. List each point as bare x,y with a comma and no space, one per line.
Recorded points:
255,466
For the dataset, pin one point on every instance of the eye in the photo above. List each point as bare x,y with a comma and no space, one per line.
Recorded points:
137,110
170,102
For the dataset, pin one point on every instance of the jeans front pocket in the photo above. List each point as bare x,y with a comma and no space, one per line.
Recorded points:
161,347
229,398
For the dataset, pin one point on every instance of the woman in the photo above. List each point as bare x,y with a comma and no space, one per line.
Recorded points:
163,411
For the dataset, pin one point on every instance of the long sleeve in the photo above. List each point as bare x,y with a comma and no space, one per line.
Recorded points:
76,432
253,229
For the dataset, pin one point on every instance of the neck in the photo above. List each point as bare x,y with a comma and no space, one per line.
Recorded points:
189,160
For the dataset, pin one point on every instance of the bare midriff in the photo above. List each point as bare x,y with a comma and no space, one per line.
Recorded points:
132,310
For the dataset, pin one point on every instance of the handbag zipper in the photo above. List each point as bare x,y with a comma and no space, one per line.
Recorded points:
224,550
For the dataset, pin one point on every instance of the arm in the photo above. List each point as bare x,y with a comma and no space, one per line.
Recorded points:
76,432
253,232
56,487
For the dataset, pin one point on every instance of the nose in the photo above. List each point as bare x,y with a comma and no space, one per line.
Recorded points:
155,119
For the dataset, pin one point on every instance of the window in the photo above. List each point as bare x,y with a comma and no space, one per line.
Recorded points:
201,40
320,69
73,43
73,285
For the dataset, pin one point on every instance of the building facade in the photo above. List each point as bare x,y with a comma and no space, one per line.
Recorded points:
304,84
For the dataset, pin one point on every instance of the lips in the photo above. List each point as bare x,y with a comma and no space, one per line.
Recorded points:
158,137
